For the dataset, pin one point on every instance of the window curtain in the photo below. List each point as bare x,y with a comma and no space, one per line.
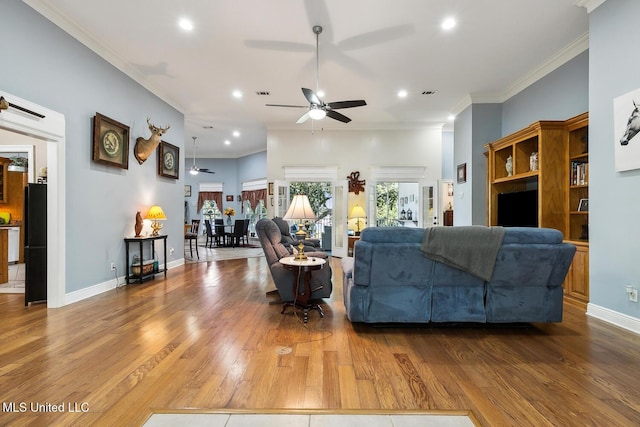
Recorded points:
253,197
209,195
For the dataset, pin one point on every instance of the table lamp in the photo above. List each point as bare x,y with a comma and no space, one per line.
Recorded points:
155,213
300,209
357,212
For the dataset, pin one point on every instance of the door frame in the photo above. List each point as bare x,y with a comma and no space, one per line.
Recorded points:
50,128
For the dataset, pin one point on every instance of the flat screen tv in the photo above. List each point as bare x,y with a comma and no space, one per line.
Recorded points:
518,209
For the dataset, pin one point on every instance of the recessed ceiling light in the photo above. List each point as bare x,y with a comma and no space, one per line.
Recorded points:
237,94
185,24
402,93
451,117
236,133
227,142
448,23
320,93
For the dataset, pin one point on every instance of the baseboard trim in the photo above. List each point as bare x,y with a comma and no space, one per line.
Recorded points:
109,285
621,320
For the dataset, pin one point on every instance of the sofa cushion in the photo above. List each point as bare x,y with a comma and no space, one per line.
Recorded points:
392,235
531,235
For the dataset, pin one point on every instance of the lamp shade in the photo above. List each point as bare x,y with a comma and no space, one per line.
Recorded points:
300,208
156,212
317,113
358,212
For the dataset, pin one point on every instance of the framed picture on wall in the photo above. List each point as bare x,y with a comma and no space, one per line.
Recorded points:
110,142
271,188
187,191
168,160
462,173
229,198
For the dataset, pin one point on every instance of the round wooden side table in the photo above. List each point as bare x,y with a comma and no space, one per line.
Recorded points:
298,267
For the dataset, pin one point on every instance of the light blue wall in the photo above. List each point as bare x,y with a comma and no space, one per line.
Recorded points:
562,94
43,64
614,204
476,126
232,173
463,153
486,128
252,167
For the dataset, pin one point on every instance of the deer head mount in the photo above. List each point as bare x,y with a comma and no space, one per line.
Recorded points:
144,147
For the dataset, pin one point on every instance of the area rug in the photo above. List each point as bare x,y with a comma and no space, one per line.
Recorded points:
252,250
310,418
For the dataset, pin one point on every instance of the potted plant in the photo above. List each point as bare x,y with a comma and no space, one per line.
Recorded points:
19,164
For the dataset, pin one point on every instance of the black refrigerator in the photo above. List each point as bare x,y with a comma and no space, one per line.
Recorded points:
35,240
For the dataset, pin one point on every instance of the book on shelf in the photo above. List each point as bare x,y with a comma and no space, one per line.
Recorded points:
579,173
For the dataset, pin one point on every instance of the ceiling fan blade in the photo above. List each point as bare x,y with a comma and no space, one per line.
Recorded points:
376,37
282,46
207,171
347,104
285,105
303,118
311,96
337,116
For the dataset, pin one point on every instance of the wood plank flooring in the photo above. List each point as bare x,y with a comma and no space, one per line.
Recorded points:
207,338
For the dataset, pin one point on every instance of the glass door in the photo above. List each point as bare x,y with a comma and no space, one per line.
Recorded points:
280,198
429,206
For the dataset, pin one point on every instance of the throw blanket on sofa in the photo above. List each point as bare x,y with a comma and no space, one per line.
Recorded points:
469,248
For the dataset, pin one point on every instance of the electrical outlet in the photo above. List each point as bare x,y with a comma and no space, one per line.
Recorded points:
633,296
113,265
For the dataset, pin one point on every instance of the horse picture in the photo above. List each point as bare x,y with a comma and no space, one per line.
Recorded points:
626,124
633,125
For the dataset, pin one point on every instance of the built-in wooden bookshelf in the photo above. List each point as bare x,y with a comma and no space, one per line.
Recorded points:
576,285
561,177
548,140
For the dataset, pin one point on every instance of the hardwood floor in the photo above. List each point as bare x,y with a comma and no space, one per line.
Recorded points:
207,338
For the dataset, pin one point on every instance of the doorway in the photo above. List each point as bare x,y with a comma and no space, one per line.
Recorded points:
20,172
50,130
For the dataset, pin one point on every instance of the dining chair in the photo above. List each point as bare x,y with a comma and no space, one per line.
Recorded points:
245,236
210,234
192,236
237,233
221,236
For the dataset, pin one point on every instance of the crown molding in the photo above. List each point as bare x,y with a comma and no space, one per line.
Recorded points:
54,15
556,61
590,5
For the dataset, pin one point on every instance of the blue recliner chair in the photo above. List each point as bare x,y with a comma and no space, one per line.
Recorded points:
271,240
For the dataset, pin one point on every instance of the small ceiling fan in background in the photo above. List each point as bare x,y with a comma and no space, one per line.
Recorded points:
195,169
318,109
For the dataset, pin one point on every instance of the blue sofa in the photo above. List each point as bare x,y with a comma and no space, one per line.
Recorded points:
389,279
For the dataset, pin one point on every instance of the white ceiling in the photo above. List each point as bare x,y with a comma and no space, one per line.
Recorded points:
368,50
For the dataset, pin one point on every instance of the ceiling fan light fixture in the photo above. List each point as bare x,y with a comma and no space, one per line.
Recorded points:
193,170
317,113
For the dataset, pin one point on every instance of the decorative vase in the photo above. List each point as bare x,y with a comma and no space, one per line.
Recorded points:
533,161
229,219
509,166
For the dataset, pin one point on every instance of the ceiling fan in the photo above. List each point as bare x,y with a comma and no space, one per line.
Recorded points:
195,169
318,109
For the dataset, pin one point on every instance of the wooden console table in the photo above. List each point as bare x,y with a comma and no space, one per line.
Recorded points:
130,277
